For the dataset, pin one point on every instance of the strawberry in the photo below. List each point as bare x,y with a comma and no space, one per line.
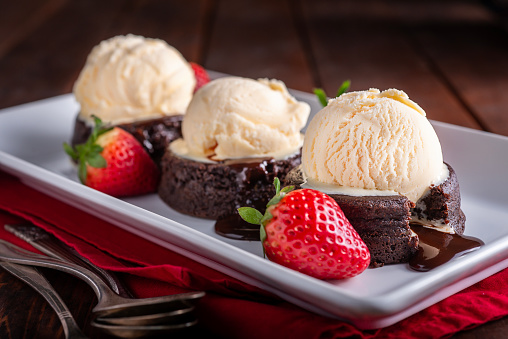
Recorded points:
201,75
114,162
307,231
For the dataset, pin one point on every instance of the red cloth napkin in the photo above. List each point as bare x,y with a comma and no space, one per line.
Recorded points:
231,308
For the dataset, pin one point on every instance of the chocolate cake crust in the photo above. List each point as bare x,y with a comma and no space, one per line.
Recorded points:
442,203
374,207
213,190
383,224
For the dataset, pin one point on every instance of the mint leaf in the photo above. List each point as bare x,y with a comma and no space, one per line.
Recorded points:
321,95
343,88
251,215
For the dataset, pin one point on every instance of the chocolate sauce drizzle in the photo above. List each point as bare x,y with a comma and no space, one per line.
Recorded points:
249,172
436,248
234,227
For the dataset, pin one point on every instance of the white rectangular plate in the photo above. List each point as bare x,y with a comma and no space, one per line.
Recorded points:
31,137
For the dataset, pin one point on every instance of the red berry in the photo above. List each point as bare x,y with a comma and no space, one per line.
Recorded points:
308,232
114,162
129,171
201,75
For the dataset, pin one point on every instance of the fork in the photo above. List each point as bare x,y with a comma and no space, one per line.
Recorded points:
38,282
53,247
109,303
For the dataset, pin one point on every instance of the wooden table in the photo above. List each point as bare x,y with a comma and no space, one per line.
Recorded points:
451,57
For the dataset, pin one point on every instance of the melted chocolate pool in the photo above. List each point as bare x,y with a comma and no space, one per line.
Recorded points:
234,227
436,248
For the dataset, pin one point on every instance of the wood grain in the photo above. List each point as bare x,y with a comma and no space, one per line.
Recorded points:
258,39
375,48
47,62
25,314
474,59
26,16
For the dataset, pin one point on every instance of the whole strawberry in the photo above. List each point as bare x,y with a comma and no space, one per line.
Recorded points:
201,75
307,231
114,162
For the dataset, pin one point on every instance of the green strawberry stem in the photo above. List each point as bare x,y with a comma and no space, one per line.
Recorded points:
322,97
88,153
253,216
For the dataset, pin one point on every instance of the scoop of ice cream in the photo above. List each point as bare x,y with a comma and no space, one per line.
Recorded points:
236,117
373,140
130,78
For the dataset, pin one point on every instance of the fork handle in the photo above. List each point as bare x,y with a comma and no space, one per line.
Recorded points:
50,245
14,254
38,282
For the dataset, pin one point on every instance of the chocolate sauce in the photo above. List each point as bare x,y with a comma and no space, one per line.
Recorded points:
234,227
250,170
436,248
249,173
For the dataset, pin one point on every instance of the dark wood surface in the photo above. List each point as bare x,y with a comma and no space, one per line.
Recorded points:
449,56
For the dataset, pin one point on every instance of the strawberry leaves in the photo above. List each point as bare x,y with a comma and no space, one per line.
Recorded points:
253,216
88,153
323,99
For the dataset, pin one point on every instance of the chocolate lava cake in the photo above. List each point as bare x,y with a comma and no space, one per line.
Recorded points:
383,221
155,134
218,189
440,206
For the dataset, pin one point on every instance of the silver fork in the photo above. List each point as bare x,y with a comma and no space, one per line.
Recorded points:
53,247
109,303
38,282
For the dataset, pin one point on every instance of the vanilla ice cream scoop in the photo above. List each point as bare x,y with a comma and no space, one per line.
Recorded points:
374,140
236,117
130,78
